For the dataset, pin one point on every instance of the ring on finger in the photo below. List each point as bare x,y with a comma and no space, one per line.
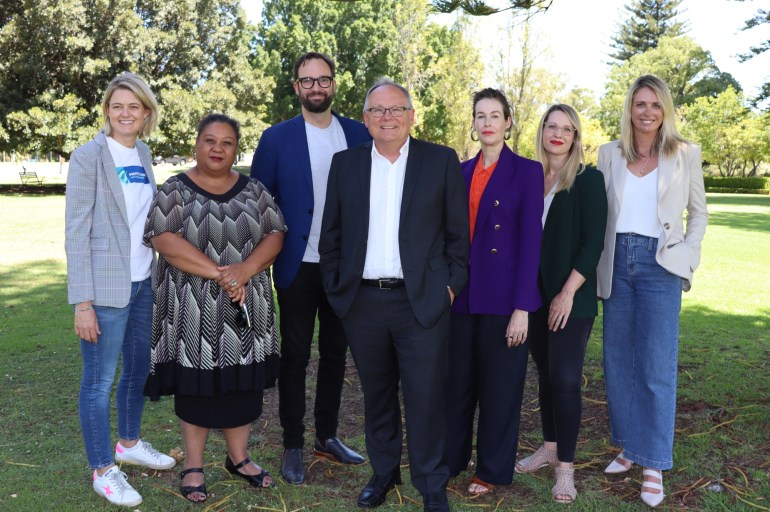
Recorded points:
233,283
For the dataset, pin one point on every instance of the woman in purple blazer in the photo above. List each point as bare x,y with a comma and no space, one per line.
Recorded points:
489,322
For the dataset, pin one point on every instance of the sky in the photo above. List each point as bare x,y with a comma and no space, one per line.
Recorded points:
576,37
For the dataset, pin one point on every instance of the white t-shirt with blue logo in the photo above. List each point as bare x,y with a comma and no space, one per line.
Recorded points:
137,190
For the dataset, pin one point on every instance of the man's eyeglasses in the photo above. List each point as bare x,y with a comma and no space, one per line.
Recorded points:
324,82
566,130
394,111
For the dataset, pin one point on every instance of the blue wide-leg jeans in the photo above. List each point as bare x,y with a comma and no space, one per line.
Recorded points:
124,331
641,337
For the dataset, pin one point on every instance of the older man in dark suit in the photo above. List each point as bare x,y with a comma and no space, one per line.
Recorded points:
394,251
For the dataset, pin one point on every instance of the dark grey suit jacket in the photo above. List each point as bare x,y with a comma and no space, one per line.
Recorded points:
433,228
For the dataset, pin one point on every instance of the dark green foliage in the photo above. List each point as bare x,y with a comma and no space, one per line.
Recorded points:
762,17
739,185
647,22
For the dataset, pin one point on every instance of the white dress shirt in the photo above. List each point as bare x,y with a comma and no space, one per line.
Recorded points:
383,259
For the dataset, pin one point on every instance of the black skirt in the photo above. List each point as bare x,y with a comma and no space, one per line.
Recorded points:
229,410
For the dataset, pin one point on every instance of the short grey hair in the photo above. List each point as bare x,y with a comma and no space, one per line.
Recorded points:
383,81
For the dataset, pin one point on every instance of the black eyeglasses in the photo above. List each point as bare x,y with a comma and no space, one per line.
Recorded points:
394,111
242,320
324,82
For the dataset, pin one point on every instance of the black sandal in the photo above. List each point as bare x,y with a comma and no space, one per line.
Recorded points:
189,489
257,480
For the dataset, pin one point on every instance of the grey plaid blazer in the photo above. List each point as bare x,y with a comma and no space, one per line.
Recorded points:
97,238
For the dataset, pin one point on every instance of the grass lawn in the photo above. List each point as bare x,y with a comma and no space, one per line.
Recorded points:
722,445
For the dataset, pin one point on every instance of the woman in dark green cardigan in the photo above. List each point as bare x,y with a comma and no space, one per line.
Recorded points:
574,220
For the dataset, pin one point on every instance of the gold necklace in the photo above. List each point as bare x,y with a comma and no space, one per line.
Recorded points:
644,165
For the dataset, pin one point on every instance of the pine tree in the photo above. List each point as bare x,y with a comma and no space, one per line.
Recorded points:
648,21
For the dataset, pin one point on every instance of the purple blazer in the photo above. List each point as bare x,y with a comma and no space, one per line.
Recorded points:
505,251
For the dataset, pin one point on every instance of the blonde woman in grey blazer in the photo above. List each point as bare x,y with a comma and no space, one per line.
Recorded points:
651,176
110,186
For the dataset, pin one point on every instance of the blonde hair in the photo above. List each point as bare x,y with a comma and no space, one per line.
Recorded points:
668,139
576,161
141,90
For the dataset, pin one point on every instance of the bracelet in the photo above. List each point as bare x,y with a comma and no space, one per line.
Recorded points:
84,309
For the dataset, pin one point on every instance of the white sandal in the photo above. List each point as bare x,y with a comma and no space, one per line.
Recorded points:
565,485
540,459
619,465
653,499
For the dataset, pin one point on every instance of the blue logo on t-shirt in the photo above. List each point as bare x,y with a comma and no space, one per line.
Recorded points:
132,174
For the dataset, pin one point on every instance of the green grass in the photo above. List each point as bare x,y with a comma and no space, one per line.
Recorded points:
722,422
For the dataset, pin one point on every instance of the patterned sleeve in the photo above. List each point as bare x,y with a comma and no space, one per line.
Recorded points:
271,216
165,211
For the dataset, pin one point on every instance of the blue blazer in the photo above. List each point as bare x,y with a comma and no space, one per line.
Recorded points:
505,251
282,163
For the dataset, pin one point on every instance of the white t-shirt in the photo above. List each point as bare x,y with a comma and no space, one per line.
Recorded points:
322,143
137,190
639,206
547,200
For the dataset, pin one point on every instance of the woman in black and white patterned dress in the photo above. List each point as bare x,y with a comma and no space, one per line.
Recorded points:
214,340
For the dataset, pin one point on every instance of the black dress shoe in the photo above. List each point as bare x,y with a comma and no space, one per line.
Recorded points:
435,502
377,489
335,451
292,468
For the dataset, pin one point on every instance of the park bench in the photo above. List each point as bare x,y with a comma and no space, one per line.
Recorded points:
28,177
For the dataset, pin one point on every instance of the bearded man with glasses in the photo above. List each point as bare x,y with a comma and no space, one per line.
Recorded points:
292,160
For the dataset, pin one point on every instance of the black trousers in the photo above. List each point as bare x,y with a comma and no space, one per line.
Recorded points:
299,304
389,345
559,358
484,371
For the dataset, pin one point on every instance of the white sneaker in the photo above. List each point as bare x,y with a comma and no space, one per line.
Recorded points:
114,486
143,454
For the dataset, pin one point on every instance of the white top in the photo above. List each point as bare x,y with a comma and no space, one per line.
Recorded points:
639,205
138,193
322,143
385,191
547,200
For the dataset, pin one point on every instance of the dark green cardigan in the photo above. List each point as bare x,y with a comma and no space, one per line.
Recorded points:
573,238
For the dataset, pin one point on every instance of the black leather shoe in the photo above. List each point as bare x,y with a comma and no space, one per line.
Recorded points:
292,467
335,451
435,502
377,489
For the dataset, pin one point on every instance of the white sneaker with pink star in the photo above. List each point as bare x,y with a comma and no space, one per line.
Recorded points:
114,486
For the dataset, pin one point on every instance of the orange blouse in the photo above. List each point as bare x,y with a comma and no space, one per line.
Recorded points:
479,182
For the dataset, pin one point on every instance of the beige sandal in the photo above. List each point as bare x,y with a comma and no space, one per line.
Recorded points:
565,485
540,459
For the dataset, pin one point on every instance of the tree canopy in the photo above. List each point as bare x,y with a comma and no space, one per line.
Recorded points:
687,68
762,17
648,21
57,56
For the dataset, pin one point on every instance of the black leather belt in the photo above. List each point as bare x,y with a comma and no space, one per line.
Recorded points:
388,283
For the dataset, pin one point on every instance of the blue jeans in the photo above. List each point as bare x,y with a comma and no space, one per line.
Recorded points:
641,337
124,331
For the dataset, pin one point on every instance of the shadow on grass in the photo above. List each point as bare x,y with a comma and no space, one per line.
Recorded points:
721,424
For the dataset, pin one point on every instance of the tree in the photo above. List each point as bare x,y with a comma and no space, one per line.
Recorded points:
529,89
762,17
429,59
647,23
481,8
352,33
59,53
687,68
733,138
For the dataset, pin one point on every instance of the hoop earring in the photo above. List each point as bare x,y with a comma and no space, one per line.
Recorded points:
507,134
474,135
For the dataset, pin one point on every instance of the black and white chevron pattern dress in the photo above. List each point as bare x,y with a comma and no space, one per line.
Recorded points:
197,347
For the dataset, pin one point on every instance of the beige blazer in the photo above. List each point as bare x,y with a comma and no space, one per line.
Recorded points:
680,187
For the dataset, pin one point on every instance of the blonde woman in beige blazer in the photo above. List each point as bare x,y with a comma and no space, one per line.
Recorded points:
652,175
